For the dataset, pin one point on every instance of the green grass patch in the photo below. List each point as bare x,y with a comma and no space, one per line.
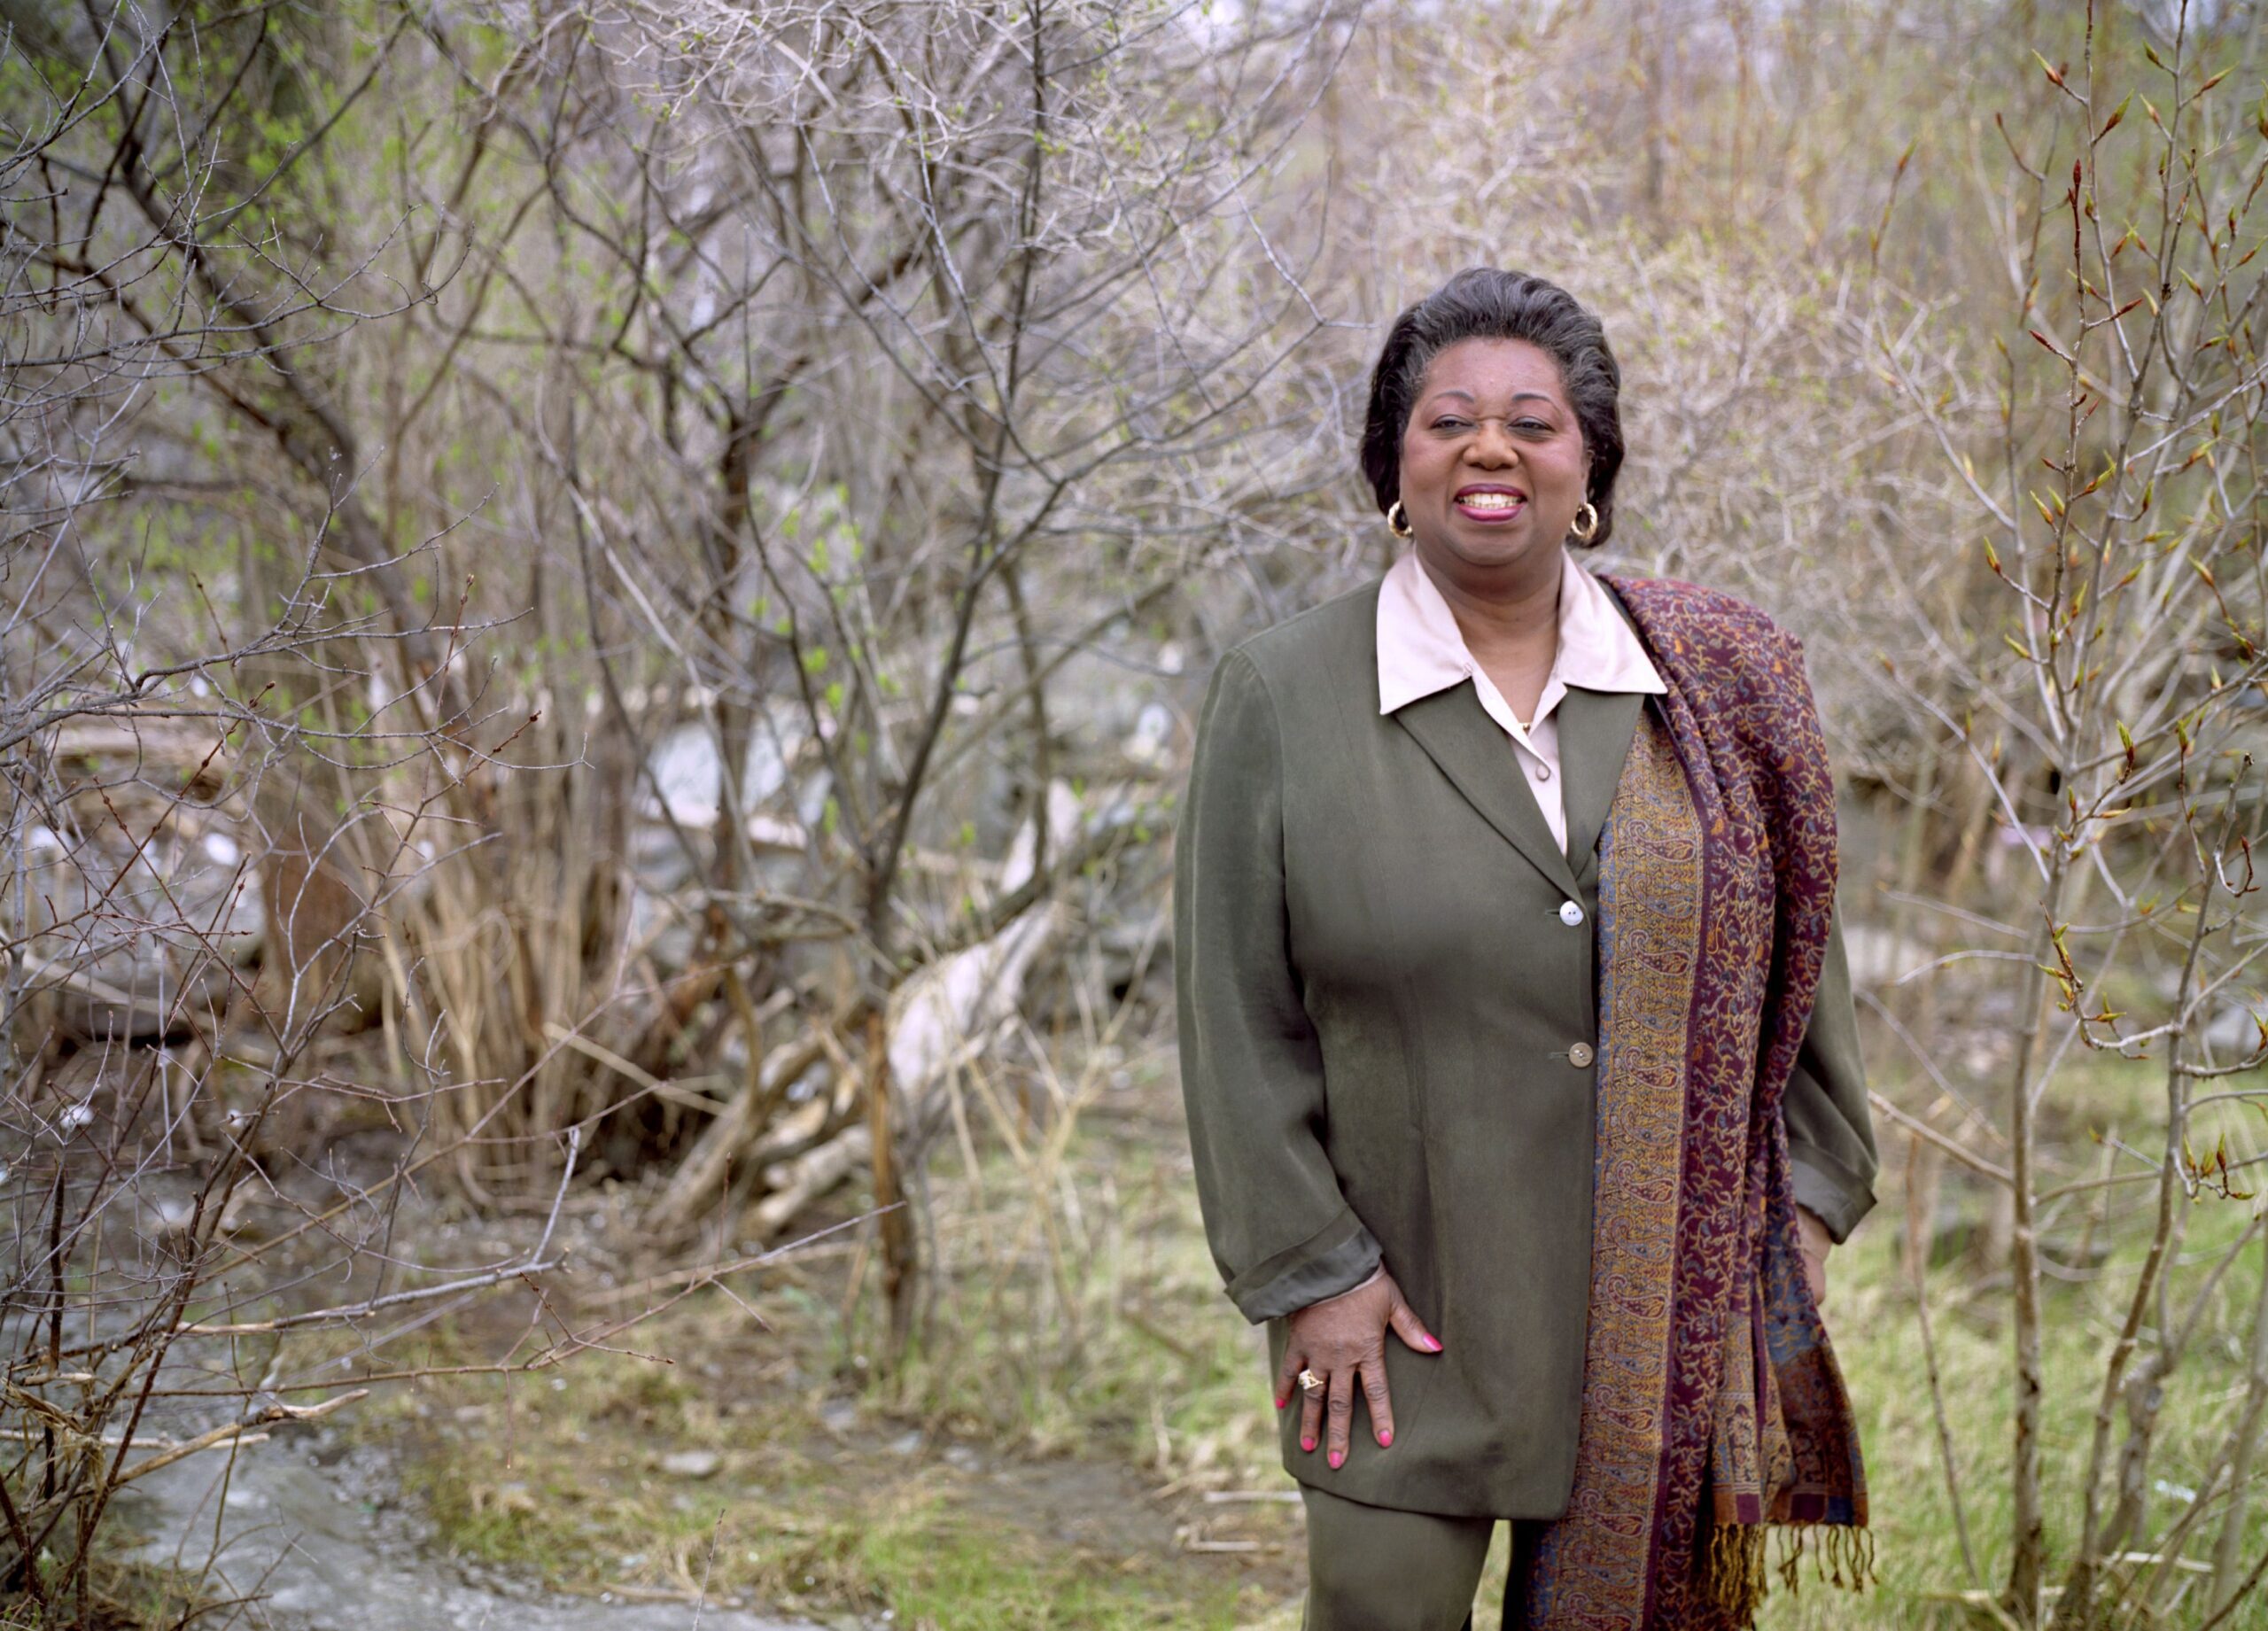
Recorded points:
570,1480
1077,1343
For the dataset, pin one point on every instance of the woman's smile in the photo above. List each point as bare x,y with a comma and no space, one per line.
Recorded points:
1490,503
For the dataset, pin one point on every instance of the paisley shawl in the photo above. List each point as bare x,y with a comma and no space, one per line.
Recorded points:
1712,1406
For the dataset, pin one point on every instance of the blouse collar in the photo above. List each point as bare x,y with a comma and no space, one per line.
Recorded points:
1421,649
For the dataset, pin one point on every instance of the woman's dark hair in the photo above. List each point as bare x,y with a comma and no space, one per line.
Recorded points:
1484,303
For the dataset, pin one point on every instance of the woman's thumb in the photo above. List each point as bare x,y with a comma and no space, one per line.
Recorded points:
1410,1328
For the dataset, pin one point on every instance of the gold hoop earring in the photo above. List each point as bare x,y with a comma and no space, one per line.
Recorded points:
1581,533
1397,520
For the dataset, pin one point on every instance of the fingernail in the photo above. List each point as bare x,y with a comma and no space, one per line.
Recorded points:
1386,1437
1433,1344
1308,1445
1336,1456
1282,1400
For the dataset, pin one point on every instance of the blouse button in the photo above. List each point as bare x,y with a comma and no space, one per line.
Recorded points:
1542,771
1580,1055
1570,914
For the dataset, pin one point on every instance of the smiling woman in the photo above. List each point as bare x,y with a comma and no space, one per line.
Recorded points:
1515,1024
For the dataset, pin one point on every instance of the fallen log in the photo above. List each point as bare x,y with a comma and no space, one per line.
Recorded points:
795,1185
702,1172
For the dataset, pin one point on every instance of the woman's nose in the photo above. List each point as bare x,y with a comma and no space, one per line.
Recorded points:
1492,443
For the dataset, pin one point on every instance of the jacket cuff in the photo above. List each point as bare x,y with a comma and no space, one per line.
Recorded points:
1338,1257
1825,1185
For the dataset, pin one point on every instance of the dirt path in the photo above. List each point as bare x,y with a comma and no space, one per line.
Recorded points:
321,1534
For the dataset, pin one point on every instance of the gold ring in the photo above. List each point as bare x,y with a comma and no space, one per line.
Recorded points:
1310,1380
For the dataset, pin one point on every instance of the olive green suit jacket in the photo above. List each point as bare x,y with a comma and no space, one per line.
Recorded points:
1381,992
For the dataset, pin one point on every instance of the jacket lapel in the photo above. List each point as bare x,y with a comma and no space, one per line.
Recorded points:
1596,728
1474,754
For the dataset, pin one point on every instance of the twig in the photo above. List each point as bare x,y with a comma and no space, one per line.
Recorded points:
1923,1130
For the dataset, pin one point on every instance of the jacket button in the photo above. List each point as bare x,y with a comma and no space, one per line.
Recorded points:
1580,1055
1570,913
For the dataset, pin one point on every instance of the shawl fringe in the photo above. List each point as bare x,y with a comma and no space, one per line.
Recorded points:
1734,1577
1732,1572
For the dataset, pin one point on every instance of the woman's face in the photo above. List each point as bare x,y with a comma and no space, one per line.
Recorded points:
1494,468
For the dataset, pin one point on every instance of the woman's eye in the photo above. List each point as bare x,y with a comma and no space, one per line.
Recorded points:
1533,427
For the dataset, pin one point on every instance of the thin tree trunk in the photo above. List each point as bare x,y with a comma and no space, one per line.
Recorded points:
898,1258
2028,1530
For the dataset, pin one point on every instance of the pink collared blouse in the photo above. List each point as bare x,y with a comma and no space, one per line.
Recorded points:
1421,650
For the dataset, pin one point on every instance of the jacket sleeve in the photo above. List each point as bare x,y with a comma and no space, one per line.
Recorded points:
1282,1234
1831,1131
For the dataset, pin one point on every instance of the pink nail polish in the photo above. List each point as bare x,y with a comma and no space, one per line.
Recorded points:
1283,1401
1433,1344
1336,1456
1308,1445
1385,1439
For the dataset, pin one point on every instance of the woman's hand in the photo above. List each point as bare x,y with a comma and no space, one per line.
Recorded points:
1342,1340
1815,1242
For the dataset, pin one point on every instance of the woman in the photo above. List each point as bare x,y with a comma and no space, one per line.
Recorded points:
1513,1024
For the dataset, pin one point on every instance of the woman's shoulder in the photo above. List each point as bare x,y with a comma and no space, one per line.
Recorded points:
1673,604
1332,639
1708,634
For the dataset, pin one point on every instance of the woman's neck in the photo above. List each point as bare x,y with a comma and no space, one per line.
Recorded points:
1513,619
1512,631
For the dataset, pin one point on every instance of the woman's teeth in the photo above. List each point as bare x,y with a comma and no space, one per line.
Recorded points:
1489,500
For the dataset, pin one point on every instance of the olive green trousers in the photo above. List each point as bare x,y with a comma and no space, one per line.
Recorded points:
1372,1568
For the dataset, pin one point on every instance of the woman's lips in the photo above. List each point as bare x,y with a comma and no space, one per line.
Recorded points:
1490,506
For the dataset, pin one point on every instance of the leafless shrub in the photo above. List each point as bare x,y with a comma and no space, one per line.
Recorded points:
554,651
912,372
198,763
2083,642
